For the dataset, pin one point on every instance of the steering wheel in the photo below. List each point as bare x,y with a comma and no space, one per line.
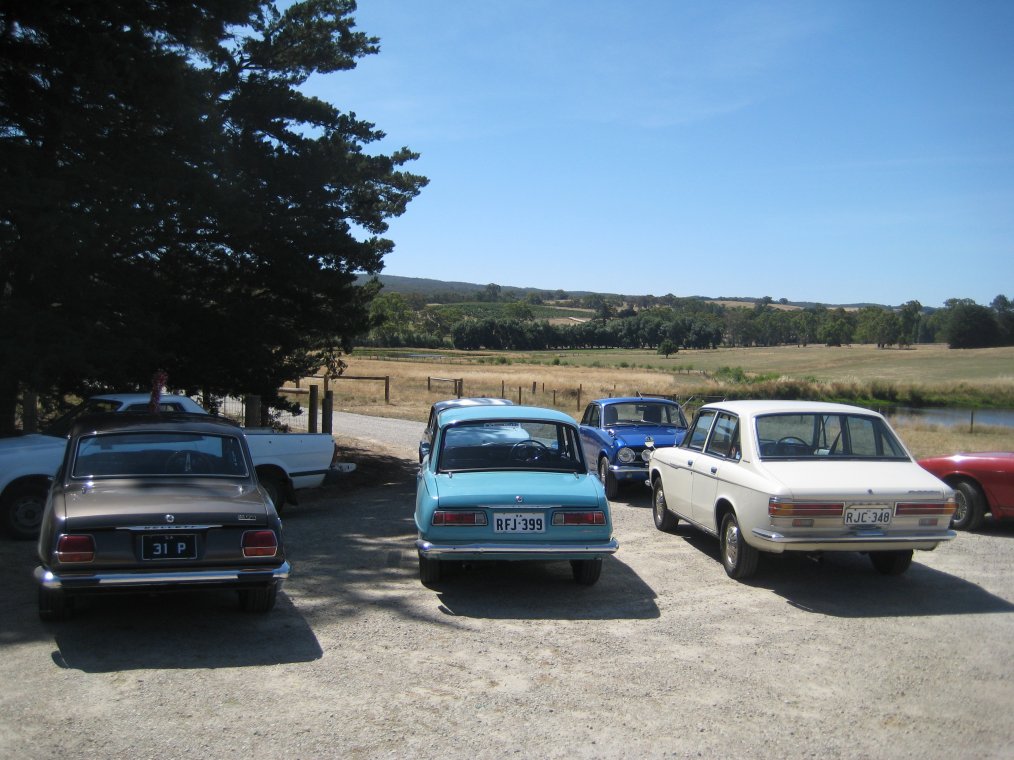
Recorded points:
187,462
528,451
794,440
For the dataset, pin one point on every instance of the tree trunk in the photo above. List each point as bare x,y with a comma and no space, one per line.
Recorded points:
8,404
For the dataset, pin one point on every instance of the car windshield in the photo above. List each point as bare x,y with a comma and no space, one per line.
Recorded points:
820,436
510,445
161,454
643,413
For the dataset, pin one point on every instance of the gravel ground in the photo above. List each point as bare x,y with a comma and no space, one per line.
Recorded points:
665,656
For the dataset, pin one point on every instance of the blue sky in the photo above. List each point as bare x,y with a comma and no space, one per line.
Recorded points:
837,152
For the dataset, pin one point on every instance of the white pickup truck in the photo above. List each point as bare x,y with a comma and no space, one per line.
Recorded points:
284,461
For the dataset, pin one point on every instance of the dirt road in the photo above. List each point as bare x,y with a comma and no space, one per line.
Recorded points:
665,656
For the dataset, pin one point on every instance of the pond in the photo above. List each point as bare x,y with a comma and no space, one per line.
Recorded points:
953,417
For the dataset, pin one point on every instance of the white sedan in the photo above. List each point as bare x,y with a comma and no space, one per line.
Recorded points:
803,476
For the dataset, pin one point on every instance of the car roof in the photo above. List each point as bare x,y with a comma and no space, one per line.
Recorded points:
119,422
453,403
758,407
504,413
634,400
137,398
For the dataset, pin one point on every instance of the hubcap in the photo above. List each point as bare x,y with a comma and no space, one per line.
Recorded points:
28,514
960,507
731,543
659,504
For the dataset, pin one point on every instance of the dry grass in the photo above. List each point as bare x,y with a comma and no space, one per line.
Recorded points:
568,387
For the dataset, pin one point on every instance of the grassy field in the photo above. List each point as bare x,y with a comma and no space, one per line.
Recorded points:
568,380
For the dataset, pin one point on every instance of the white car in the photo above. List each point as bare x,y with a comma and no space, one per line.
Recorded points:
802,476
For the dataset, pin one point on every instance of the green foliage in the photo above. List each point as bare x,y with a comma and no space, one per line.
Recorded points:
170,199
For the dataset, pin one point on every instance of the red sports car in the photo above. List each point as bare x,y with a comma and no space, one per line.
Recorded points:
983,482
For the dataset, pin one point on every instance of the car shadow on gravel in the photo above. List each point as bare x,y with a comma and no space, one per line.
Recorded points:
845,584
543,591
180,630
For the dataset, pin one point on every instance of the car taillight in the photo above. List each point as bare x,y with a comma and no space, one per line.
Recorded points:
456,517
804,509
929,513
75,549
943,509
260,543
580,518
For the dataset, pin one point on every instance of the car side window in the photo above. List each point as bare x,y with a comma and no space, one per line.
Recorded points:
699,432
591,415
724,441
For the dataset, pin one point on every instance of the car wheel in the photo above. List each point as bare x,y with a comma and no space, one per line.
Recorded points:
891,563
258,599
608,479
586,571
738,557
970,510
664,519
429,570
54,604
22,511
276,492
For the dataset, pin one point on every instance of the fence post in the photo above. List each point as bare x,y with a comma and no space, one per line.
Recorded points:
503,388
533,387
326,423
387,389
579,389
971,423
252,411
29,412
519,394
311,424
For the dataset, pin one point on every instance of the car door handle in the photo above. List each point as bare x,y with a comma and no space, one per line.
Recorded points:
714,470
690,463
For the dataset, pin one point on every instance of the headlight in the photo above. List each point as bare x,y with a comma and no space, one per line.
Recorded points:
625,455
646,455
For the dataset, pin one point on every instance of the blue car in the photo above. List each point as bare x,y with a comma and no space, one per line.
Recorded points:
509,483
618,434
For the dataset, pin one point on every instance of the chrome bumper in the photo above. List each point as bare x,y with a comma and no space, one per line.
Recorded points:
857,542
126,579
492,551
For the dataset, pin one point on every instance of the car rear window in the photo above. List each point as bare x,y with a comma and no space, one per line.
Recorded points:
510,445
820,436
147,454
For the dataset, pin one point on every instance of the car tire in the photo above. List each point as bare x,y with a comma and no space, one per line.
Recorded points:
891,563
971,509
276,491
54,604
665,520
22,509
738,557
258,599
586,571
429,570
612,486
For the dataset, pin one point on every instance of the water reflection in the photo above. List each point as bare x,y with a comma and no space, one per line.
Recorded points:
951,417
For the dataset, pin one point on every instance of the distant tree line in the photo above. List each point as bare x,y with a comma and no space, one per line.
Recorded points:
689,323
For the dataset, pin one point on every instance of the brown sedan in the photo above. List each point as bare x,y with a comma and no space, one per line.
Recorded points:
157,502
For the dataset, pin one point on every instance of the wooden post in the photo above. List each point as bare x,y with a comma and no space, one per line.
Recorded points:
327,423
519,394
579,389
533,387
387,389
311,425
502,389
252,411
29,412
971,423
554,397
429,385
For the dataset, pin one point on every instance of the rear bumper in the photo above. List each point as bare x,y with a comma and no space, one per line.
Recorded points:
225,577
515,551
771,541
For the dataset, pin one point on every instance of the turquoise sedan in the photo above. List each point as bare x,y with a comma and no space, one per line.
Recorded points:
510,483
